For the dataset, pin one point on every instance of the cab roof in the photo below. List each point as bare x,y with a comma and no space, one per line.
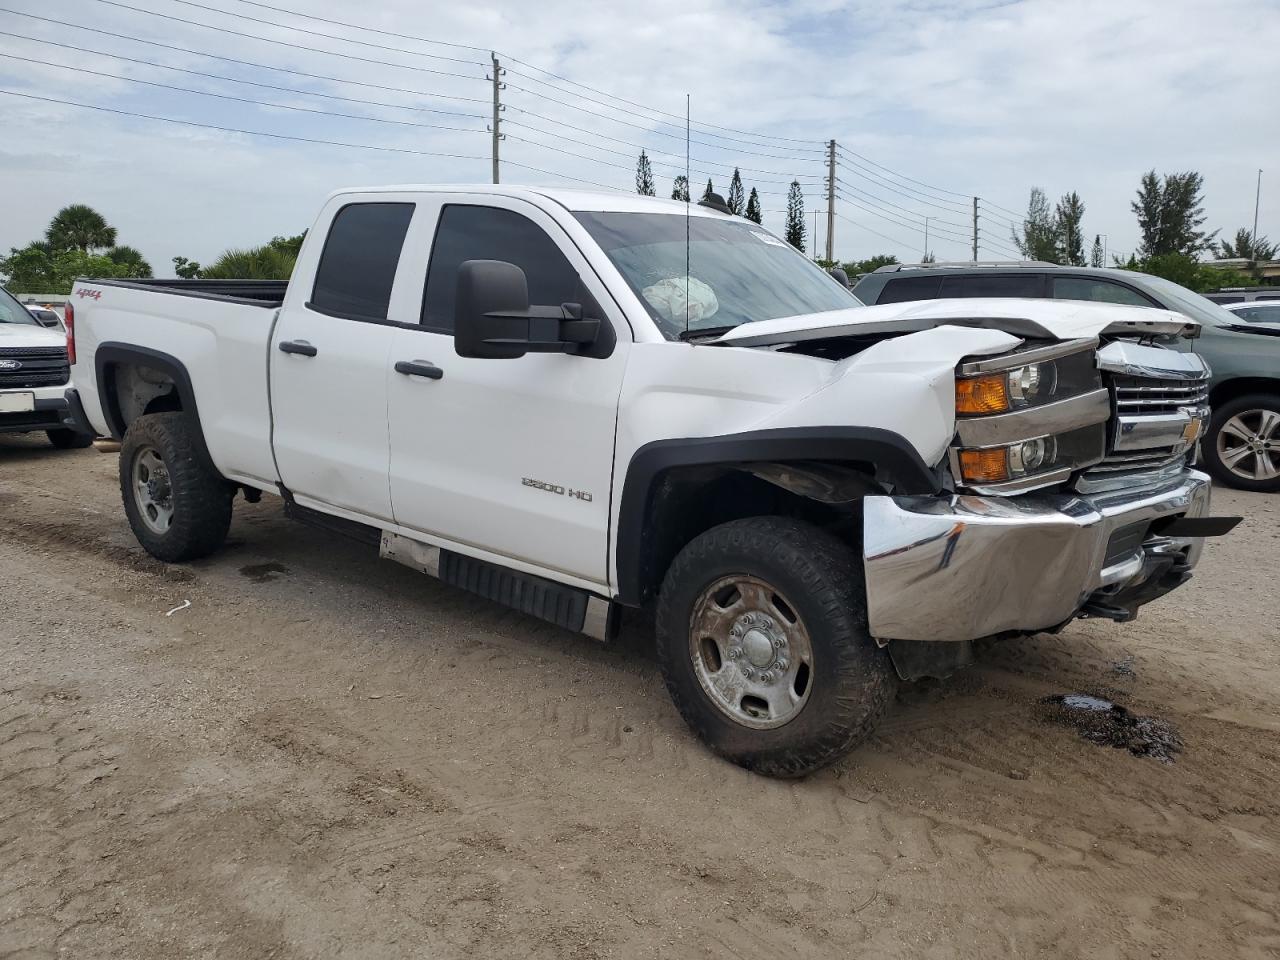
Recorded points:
595,201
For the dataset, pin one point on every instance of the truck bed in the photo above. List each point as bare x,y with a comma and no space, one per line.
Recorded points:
257,293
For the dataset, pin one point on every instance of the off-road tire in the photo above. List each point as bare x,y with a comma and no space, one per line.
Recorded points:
1209,445
852,680
201,498
65,439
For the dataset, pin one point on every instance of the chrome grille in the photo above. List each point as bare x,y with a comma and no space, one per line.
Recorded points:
37,367
1141,395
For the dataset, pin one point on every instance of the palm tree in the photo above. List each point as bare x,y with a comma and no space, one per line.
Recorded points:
80,227
131,259
258,263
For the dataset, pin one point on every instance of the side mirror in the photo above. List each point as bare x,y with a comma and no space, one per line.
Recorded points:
493,318
842,278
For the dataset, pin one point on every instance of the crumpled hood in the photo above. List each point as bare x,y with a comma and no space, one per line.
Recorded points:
1038,319
30,335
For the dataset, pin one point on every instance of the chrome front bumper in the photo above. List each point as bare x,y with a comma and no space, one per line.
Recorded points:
965,567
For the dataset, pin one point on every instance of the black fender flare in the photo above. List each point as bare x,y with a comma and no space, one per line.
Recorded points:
111,354
893,459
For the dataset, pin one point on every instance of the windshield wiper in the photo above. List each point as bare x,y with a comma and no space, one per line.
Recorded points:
706,332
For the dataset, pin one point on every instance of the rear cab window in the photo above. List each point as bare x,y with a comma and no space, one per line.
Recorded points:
357,268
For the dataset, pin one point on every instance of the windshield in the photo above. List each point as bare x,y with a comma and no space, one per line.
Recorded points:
11,311
1178,297
733,271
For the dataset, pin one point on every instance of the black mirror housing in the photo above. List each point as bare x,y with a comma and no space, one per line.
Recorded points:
493,318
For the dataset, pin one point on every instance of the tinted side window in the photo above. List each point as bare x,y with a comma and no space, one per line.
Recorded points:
902,289
488,233
358,265
980,285
1268,312
1091,288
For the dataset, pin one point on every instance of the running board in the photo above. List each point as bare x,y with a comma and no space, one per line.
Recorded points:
556,603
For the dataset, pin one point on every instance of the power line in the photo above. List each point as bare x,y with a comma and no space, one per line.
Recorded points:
285,43
625,123
243,63
656,163
879,212
810,144
355,26
660,152
327,36
901,190
227,96
882,236
902,176
914,213
251,133
253,83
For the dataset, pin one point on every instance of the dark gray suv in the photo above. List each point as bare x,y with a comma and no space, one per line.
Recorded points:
1242,445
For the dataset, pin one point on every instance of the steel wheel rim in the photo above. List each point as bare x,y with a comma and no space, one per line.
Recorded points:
751,652
152,491
1249,444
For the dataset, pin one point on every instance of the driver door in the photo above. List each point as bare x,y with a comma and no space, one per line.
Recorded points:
509,459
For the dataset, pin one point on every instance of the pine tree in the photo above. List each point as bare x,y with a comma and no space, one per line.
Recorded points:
707,192
680,188
1039,240
1096,255
644,176
1245,247
736,200
1169,213
795,232
754,213
1067,217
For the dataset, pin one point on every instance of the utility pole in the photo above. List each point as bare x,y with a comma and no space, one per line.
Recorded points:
815,233
926,240
831,200
975,229
498,135
1253,240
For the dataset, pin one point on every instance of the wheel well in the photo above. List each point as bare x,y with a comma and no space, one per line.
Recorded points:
1239,387
688,501
137,389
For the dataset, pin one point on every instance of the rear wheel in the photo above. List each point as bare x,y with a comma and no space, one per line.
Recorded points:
177,504
1243,445
65,439
764,645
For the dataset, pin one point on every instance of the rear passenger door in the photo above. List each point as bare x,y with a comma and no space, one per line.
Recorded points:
998,285
329,361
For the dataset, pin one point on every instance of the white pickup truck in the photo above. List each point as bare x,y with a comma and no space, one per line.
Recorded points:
578,404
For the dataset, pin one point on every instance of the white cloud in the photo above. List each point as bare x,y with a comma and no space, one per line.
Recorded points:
971,97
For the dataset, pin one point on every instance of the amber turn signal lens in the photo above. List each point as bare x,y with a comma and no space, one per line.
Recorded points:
984,466
989,394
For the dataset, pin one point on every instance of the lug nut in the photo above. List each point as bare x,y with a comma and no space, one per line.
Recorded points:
735,653
782,664
766,677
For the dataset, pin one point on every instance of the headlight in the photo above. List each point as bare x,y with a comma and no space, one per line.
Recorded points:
999,464
1006,390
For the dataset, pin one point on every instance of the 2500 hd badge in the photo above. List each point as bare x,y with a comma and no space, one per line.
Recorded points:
556,488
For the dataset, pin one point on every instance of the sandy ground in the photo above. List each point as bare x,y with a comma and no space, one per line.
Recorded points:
328,755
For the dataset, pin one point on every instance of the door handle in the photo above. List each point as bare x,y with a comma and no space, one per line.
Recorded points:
419,368
300,347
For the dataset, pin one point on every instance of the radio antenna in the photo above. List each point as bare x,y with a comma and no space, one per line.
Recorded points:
688,199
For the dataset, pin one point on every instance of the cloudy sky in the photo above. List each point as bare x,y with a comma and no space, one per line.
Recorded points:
930,103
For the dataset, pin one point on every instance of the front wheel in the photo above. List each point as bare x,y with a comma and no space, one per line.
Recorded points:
1243,446
763,641
177,504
